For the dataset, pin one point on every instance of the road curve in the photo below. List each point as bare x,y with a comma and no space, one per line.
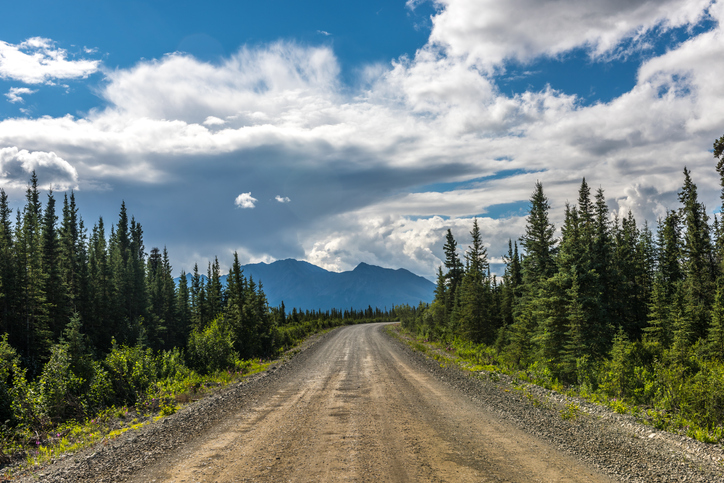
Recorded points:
361,409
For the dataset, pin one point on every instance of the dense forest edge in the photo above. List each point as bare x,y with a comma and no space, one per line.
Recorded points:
96,337
610,311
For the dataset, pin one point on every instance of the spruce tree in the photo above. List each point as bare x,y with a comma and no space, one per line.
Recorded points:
659,329
472,316
601,257
138,303
158,309
438,316
512,284
538,263
183,307
698,254
55,290
8,272
101,324
576,347
32,281
214,290
73,259
455,271
715,337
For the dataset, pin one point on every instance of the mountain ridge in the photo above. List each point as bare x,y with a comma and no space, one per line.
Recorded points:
302,285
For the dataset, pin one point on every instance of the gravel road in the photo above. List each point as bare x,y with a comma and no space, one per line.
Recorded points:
357,405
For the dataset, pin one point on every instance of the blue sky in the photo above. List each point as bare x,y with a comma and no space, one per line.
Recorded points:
341,132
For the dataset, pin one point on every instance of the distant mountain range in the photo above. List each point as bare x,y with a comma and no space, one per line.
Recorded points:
309,287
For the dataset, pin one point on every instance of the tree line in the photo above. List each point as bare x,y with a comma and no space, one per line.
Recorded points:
609,304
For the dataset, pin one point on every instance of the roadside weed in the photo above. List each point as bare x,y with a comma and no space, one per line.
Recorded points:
571,411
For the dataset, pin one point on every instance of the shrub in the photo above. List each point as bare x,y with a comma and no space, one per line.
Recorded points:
9,362
131,370
170,364
571,411
60,389
212,349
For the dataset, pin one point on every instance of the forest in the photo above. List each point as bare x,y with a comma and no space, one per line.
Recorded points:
611,310
92,326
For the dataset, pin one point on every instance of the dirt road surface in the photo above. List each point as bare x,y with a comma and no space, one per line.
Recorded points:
360,409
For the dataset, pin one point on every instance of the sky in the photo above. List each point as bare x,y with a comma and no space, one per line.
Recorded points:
347,132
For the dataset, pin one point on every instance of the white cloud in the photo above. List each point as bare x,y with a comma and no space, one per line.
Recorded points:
214,121
245,200
253,86
398,241
38,60
324,32
486,32
15,94
413,4
281,199
16,166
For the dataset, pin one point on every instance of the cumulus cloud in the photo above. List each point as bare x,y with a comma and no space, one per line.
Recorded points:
15,94
214,121
38,60
282,199
253,86
245,200
16,166
399,241
486,32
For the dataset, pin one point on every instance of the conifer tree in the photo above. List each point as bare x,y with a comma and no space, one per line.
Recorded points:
715,337
600,257
512,284
659,330
472,315
585,215
138,302
101,323
183,311
623,254
74,261
8,272
198,300
697,251
538,263
32,281
437,318
54,288
214,290
576,347
644,273
159,311
454,268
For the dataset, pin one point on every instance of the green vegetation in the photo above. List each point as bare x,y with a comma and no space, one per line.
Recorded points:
609,311
97,339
